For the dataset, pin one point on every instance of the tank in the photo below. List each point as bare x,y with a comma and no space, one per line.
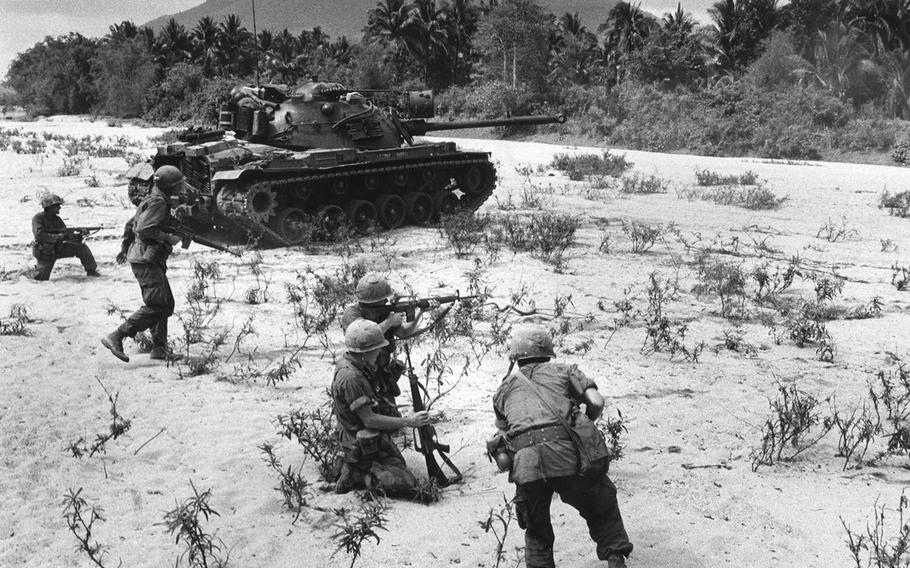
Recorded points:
284,167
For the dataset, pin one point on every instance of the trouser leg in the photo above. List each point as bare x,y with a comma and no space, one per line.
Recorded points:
86,258
595,499
158,300
43,268
532,501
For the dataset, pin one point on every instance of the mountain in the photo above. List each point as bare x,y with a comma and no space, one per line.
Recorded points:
340,17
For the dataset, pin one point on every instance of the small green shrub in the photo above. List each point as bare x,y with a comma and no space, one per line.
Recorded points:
579,166
710,178
643,184
897,204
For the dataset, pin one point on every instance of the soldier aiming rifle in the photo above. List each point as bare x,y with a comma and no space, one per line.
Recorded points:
54,240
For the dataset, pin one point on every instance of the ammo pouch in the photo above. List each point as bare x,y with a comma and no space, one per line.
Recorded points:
501,451
368,443
44,251
151,252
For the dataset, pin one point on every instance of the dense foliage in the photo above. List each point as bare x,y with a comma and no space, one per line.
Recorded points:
792,81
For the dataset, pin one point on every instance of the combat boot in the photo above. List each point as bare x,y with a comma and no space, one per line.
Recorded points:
164,354
616,561
114,342
93,273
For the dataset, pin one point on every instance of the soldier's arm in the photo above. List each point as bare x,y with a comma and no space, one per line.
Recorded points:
594,403
391,423
39,229
149,226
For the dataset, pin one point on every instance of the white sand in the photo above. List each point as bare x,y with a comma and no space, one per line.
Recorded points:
680,414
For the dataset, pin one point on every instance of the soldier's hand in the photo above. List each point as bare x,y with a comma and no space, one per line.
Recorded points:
419,419
394,320
121,257
173,240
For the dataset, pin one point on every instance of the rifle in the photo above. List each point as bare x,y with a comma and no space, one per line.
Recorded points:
188,235
425,440
409,307
74,233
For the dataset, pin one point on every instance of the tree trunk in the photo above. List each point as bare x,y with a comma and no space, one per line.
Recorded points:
514,66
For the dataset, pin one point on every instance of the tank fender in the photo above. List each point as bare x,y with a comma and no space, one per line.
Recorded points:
142,171
231,175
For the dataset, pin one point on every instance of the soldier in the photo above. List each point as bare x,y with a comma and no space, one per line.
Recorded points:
52,241
371,458
373,294
148,249
545,458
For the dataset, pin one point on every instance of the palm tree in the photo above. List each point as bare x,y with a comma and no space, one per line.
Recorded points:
205,38
679,23
173,44
838,55
461,23
624,31
394,23
430,24
125,30
897,96
233,40
283,58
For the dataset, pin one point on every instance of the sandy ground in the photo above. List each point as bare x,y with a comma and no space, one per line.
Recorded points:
686,487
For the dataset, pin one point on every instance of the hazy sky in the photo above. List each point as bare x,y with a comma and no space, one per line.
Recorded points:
24,23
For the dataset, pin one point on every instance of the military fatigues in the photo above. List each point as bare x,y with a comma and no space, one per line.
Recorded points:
388,368
147,256
374,459
48,247
542,468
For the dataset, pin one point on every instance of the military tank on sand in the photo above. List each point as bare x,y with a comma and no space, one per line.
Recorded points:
282,166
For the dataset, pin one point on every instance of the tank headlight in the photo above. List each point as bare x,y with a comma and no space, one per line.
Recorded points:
327,109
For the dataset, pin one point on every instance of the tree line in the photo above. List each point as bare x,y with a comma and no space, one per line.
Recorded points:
841,59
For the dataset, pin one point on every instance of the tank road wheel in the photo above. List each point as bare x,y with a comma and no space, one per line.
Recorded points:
419,207
444,203
329,219
303,192
293,225
361,215
371,182
473,180
401,179
390,210
261,202
339,186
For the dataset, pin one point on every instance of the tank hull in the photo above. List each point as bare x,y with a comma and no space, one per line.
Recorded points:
259,193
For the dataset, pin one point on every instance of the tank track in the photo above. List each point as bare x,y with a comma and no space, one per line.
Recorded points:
234,200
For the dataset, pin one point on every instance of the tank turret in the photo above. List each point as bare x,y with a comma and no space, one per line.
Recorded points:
328,115
283,166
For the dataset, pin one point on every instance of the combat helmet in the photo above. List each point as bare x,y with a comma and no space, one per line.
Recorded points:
168,177
363,336
373,288
529,342
50,200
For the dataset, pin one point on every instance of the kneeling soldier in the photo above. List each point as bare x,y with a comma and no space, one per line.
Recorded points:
373,295
53,241
546,459
371,459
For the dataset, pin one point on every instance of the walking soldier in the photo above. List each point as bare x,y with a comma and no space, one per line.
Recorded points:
147,254
538,415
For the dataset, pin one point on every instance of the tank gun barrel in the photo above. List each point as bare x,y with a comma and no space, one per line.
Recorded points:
419,127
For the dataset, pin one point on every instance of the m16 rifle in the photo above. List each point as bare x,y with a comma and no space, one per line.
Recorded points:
75,234
409,306
187,236
425,440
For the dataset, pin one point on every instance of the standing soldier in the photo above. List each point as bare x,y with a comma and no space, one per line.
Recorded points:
52,241
546,459
147,254
371,458
373,295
